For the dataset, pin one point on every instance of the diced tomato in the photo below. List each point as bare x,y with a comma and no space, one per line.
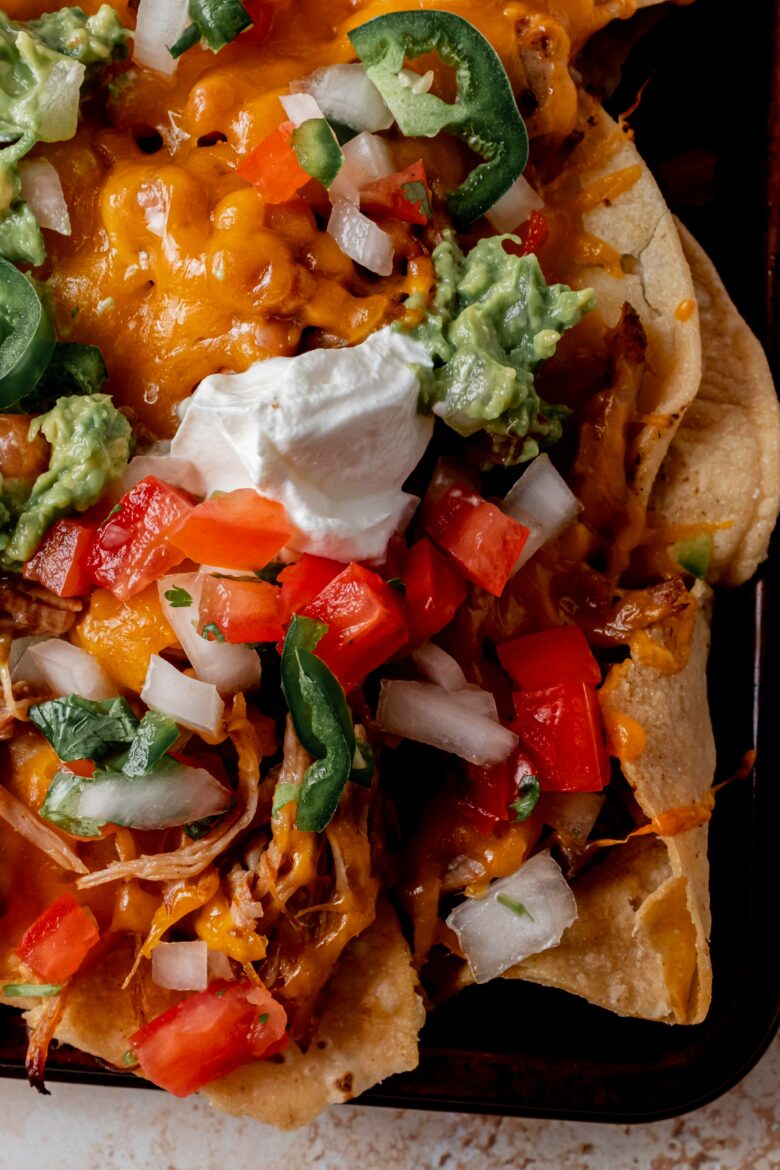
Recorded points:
273,167
492,789
434,591
559,655
239,530
210,1034
478,536
57,943
133,547
447,473
562,729
262,15
366,623
302,582
60,563
404,195
242,611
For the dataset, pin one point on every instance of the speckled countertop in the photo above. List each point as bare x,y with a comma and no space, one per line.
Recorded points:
83,1128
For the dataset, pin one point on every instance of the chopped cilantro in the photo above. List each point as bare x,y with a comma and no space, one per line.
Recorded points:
212,633
516,907
527,798
33,990
179,598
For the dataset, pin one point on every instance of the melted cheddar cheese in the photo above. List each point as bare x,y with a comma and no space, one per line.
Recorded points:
175,267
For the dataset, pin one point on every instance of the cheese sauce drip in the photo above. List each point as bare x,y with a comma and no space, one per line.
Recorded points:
175,267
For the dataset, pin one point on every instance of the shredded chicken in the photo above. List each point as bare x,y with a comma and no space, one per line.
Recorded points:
13,709
47,1017
26,608
290,862
29,826
190,860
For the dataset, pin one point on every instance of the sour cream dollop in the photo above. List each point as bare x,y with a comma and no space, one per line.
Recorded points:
331,434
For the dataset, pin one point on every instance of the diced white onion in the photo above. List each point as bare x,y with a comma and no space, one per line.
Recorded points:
159,25
194,704
179,472
368,158
514,206
20,645
360,238
230,668
42,189
574,813
174,794
181,966
219,966
58,95
429,714
345,187
439,666
346,94
494,936
542,500
477,701
300,107
65,669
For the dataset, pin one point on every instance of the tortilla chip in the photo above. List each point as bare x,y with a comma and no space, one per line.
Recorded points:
640,944
367,1032
98,1016
724,464
639,227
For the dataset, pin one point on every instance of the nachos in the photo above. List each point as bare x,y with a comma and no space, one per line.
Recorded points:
371,440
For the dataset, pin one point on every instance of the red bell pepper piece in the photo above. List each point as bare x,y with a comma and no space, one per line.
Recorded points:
366,623
239,530
535,234
483,541
242,611
559,655
435,590
302,581
61,562
210,1034
58,941
273,167
404,195
561,727
133,546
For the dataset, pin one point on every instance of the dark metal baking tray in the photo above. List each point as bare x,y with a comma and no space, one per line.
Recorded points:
709,125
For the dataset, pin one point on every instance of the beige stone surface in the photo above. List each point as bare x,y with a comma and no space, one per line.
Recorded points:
81,1128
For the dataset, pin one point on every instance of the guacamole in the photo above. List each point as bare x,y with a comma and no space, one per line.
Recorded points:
493,321
90,445
42,66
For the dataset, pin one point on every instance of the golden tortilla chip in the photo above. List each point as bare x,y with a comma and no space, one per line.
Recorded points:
640,944
723,466
653,277
368,1031
372,1015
